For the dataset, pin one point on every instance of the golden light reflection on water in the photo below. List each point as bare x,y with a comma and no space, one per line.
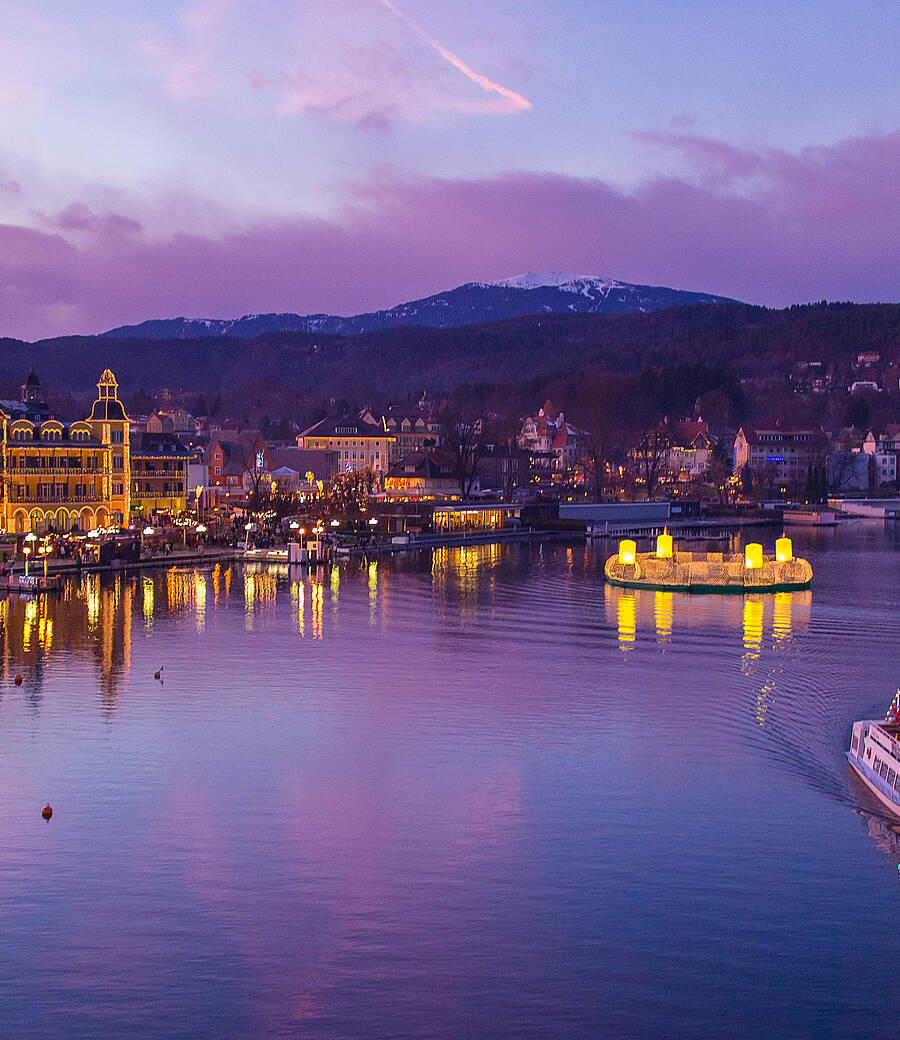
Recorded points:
92,593
753,625
461,573
626,617
781,620
317,603
298,597
200,599
148,590
373,590
663,610
97,610
88,618
260,590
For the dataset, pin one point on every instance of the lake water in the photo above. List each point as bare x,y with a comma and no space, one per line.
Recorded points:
469,794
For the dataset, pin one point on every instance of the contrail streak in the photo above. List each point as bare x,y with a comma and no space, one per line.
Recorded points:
516,100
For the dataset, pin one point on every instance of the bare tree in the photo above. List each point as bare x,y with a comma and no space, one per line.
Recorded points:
248,449
718,472
465,442
649,449
593,460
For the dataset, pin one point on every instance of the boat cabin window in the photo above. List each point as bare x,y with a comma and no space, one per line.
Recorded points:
854,743
892,776
884,769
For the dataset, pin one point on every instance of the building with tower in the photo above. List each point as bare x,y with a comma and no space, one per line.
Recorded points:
59,475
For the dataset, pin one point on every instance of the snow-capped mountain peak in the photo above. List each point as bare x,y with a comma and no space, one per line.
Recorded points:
469,304
553,279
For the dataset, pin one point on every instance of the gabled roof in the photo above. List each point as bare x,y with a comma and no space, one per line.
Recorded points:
157,444
344,426
430,465
321,463
685,432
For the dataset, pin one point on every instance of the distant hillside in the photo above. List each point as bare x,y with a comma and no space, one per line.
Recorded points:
752,341
474,303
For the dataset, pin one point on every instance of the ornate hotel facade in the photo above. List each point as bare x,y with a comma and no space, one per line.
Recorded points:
64,476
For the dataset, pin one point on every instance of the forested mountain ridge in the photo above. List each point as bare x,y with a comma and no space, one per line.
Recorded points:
753,342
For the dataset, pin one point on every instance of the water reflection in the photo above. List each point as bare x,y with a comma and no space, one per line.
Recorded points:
90,617
405,777
468,585
632,610
463,578
664,606
626,614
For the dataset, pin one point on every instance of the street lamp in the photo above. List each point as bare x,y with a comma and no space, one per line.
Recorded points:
28,548
373,521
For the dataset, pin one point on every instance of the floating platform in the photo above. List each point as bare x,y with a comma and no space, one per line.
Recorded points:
31,584
671,571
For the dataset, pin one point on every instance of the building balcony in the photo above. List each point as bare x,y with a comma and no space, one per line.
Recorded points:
17,498
139,474
51,471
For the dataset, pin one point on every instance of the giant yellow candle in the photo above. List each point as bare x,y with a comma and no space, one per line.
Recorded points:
784,551
627,551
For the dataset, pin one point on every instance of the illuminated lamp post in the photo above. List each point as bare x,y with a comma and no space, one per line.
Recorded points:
248,527
28,548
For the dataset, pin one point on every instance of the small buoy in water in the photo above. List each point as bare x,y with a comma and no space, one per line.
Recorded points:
18,680
158,675
47,811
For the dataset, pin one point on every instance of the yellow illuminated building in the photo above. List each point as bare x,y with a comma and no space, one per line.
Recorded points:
59,476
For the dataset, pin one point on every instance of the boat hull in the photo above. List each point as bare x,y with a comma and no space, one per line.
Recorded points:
873,783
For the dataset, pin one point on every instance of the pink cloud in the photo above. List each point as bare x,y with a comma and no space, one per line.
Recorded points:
79,217
821,223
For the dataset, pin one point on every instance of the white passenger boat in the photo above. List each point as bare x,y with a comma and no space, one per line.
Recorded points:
875,755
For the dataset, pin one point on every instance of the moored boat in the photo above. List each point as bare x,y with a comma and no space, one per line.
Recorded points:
810,517
875,755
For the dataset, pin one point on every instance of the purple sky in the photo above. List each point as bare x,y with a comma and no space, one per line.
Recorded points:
213,159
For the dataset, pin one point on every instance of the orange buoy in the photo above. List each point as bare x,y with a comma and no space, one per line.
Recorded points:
47,811
158,675
18,680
